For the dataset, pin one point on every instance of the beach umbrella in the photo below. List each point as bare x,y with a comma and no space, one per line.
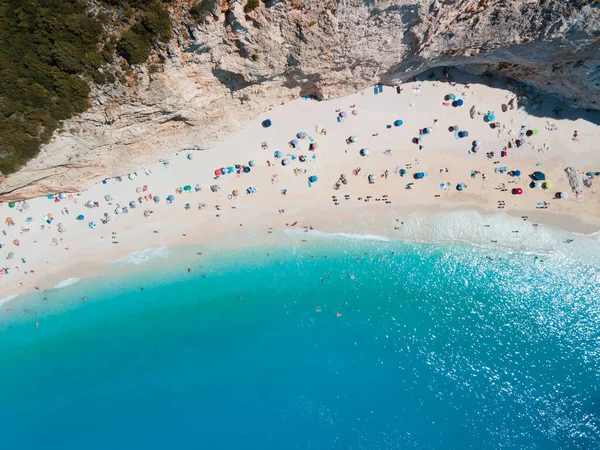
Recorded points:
118,210
294,143
11,255
402,172
267,123
156,199
62,195
342,114
277,154
251,190
170,198
133,204
55,241
538,176
353,139
90,204
80,217
50,196
214,188
313,178
517,173
450,97
313,146
230,169
285,162
465,133
190,156
364,152
547,185
518,191
419,175
235,193
11,204
301,135
372,178
139,190
355,112
17,242
187,187
8,220
246,169
398,123
92,225
132,176
147,213
460,186
459,102
108,198
252,163
218,172
564,195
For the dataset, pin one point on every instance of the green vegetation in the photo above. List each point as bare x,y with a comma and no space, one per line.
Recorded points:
201,10
153,24
251,5
50,52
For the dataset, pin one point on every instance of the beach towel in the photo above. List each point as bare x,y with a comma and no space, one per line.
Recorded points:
376,90
380,87
310,138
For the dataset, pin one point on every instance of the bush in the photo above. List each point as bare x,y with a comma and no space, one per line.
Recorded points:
201,10
134,47
251,5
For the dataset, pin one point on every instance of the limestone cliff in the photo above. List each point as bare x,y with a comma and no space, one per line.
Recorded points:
219,74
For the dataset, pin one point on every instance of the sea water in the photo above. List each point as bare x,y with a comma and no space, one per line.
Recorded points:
333,344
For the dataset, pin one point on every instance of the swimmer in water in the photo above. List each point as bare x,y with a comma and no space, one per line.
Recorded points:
337,314
84,299
352,277
318,309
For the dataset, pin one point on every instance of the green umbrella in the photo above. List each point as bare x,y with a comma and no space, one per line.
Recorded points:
187,188
11,255
547,185
11,204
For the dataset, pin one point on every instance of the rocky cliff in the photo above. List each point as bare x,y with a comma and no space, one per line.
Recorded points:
219,74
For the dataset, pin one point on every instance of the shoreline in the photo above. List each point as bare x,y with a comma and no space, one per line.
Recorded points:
87,267
44,255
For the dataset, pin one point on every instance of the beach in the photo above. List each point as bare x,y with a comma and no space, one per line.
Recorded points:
366,187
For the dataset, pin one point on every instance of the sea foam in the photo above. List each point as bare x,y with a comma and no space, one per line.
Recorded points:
67,282
143,256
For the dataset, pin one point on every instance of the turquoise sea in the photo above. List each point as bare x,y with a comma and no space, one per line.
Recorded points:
433,347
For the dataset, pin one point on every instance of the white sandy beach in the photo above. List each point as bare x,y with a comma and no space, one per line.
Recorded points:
44,256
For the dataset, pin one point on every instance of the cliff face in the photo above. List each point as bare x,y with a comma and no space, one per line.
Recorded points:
219,75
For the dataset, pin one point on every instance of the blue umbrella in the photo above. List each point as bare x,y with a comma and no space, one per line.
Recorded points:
517,173
267,123
459,102
80,217
278,154
156,199
230,169
313,178
294,142
301,135
402,172
171,198
92,225
398,123
246,169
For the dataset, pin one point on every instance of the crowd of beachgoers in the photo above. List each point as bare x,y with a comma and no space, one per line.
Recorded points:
426,143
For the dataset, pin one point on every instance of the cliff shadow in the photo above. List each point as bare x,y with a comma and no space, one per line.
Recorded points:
534,101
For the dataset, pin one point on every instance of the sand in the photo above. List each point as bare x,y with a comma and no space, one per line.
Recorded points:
46,256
